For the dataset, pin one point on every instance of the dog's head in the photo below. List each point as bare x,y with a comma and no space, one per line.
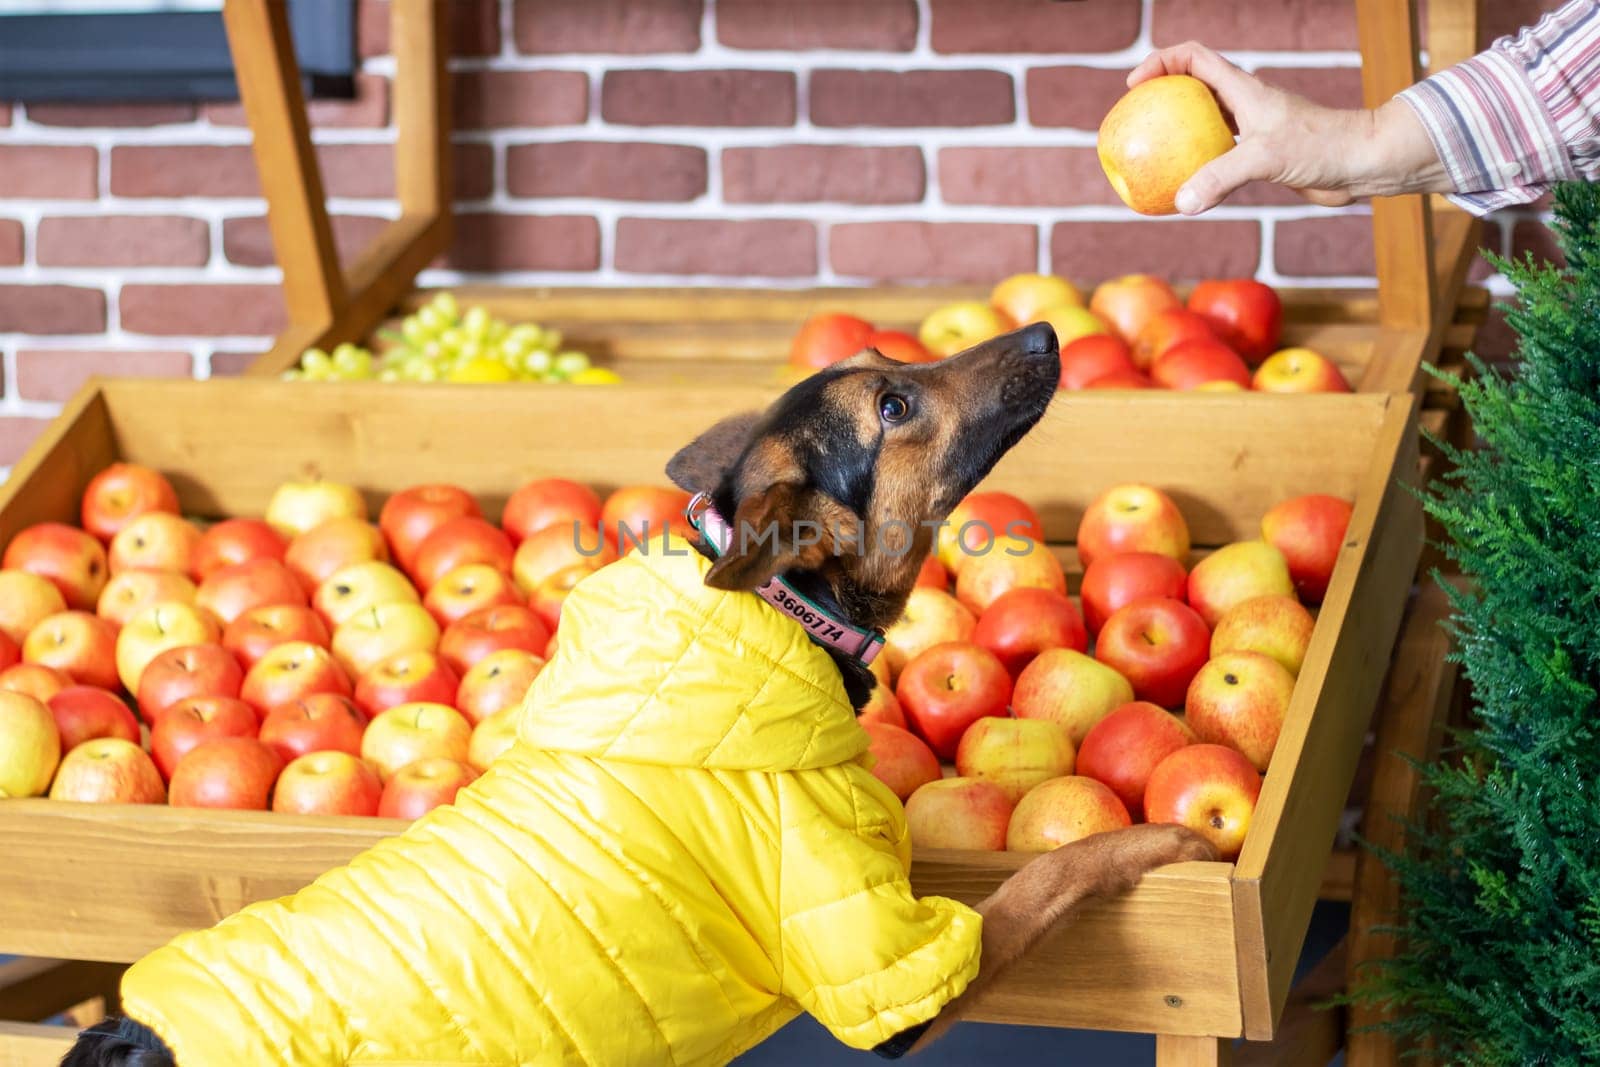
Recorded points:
848,473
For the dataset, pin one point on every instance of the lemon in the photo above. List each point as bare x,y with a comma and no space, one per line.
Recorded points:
481,369
595,376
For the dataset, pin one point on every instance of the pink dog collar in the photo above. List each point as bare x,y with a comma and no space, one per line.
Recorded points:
823,628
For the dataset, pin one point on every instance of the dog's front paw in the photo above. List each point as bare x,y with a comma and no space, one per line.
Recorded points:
1159,844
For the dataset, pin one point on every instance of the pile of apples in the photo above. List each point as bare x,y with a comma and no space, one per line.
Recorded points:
1133,333
310,661
1172,718
440,343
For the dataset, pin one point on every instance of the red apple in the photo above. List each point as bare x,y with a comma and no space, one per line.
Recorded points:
546,502
491,737
976,523
467,589
1024,622
1165,331
900,346
30,746
1123,748
1278,626
410,732
360,586
933,574
409,516
153,630
187,671
883,706
466,642
78,644
1211,789
69,558
1063,810
299,506
1298,370
229,592
496,683
948,688
1132,518
1309,531
225,772
108,770
1128,302
129,591
321,722
406,678
825,339
964,813
25,599
155,541
193,720
1191,364
1014,754
931,617
420,786
899,760
31,679
1236,573
292,670
83,712
315,555
1094,356
1243,312
122,492
234,541
1068,688
1158,645
558,548
327,783
377,633
638,514
1112,581
1240,699
456,543
1121,379
259,630
10,652
1010,563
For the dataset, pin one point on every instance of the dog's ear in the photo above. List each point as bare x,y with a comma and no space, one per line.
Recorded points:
782,527
700,466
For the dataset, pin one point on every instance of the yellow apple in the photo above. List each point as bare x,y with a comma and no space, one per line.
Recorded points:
1276,626
1022,297
931,617
30,746
959,326
1157,136
360,586
1236,573
301,506
1298,370
1072,689
154,629
373,634
491,737
1071,322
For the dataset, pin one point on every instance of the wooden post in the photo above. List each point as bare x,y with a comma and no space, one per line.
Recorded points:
422,108
1452,33
291,181
1193,1051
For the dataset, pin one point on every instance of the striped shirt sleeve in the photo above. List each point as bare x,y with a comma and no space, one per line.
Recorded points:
1514,120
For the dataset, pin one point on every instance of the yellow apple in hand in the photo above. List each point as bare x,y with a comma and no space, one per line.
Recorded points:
1157,136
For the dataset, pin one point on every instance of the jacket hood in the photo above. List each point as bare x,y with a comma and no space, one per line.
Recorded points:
654,666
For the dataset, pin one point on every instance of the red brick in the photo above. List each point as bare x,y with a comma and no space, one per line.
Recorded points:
5,114
232,364
490,242
810,173
1496,341
1328,86
1265,194
911,98
1179,249
1023,177
932,251
556,27
698,97
762,248
612,170
1034,25
473,27
48,309
108,115
203,310
1287,25
1329,245
183,170
122,241
49,172
247,241
1074,97
10,242
1480,270
1531,235
17,433
1511,16
55,374
484,99
474,171
861,25
370,108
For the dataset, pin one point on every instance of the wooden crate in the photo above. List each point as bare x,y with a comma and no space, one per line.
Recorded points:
1198,951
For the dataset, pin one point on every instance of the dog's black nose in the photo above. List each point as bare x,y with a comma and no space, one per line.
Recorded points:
1039,339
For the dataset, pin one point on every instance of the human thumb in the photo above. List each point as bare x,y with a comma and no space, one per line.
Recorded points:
1212,183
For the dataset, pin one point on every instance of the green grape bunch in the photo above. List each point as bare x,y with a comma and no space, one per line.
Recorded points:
441,343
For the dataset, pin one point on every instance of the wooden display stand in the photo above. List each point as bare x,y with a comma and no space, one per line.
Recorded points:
1198,954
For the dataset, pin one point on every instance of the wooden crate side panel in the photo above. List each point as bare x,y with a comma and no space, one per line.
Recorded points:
227,445
47,484
32,1045
1279,870
1115,967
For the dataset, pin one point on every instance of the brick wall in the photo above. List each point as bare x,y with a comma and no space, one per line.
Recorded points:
627,142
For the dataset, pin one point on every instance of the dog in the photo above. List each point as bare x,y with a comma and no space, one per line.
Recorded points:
685,847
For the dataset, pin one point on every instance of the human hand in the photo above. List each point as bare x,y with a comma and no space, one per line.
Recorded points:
1328,155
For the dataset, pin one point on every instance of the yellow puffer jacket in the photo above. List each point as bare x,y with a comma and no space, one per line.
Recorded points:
683,850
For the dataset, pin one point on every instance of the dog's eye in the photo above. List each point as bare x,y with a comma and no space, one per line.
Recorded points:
893,407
